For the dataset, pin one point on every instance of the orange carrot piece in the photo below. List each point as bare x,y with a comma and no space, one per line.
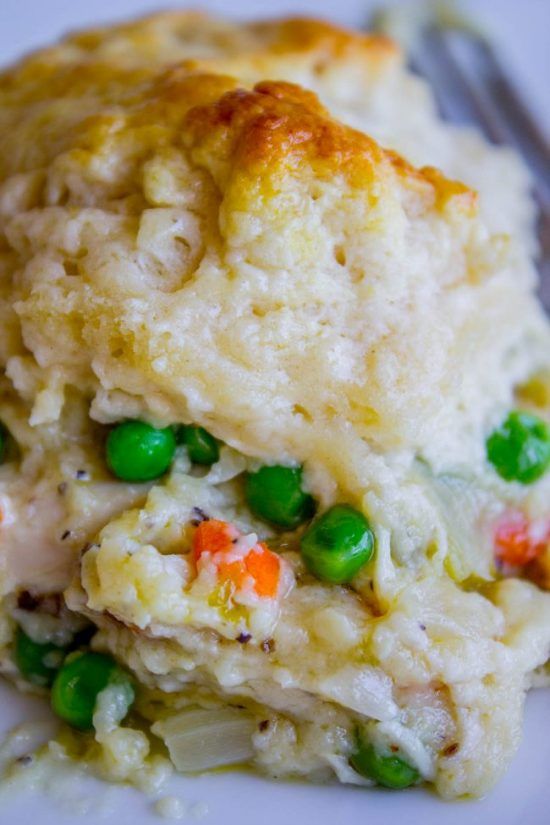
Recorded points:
514,543
213,536
264,567
233,571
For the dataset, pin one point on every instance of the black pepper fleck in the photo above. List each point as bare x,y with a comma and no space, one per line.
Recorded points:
87,546
24,760
422,626
244,638
82,475
65,535
26,601
264,724
50,603
199,515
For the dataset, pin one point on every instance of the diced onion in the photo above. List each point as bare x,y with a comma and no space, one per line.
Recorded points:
367,691
198,740
462,505
230,464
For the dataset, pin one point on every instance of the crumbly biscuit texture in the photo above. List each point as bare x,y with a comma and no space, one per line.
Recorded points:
266,230
182,241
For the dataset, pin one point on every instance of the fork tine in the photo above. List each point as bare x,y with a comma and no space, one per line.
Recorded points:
504,91
504,118
457,84
463,66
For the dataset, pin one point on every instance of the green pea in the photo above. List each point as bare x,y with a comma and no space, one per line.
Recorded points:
519,449
337,544
388,770
138,452
80,681
275,494
202,448
38,662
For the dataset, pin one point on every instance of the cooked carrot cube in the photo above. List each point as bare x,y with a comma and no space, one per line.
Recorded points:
213,536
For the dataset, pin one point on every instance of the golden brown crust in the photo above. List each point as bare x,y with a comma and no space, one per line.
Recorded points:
280,125
162,39
305,34
450,191
276,125
281,37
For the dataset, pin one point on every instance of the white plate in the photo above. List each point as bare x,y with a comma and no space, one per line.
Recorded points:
523,797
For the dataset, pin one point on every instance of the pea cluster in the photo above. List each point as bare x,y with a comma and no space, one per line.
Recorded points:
519,450
138,452
334,546
76,677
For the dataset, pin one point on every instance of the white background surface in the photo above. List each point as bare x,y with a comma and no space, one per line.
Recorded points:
521,27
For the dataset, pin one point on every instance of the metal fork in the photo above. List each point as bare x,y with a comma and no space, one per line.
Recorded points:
472,86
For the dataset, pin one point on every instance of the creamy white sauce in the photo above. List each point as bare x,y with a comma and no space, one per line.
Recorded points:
43,530
34,556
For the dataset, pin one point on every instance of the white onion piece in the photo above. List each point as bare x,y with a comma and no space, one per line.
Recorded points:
230,464
198,740
367,691
462,505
